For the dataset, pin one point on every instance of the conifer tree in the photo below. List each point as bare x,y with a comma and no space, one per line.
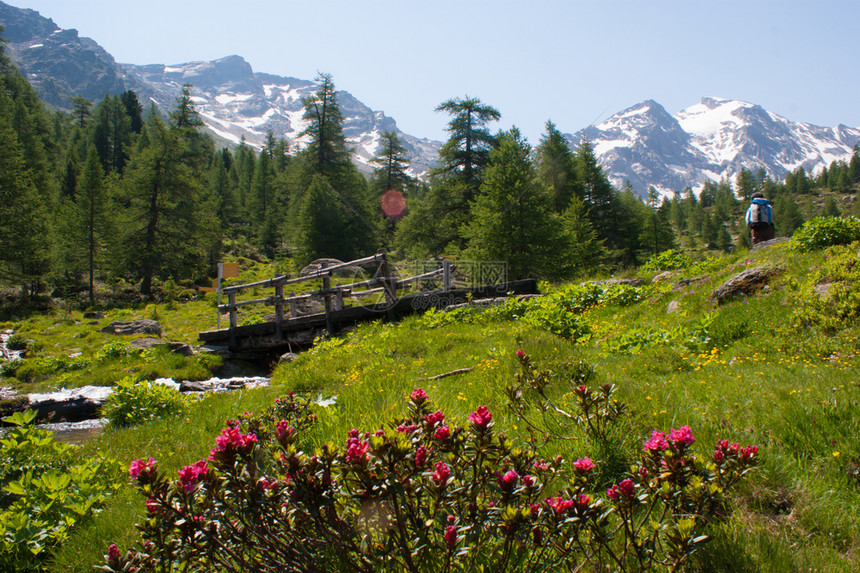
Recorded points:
326,153
556,167
513,219
22,211
91,210
166,215
392,162
466,153
787,215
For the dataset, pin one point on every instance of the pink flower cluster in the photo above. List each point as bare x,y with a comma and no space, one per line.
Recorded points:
683,435
442,474
232,440
419,396
451,533
481,417
190,476
559,504
657,442
521,354
508,481
421,457
623,489
138,468
284,431
723,448
434,419
442,433
583,465
356,449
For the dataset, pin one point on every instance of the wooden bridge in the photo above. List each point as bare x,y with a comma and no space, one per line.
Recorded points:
383,296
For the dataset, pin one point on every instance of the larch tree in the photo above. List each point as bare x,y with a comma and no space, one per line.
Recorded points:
467,151
513,219
91,207
556,168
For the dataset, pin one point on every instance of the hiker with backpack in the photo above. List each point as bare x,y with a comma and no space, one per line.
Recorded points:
759,219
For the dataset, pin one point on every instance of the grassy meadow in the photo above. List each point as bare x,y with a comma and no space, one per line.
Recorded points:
777,369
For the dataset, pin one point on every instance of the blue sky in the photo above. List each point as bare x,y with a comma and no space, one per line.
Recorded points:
574,62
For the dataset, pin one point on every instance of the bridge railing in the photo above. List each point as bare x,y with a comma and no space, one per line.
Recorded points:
384,282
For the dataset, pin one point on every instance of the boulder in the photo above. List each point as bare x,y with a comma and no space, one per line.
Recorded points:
744,284
94,315
673,306
287,357
770,243
175,347
141,326
662,277
684,283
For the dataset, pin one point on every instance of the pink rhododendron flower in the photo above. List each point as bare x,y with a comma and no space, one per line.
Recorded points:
420,457
113,552
419,396
451,536
190,476
508,481
583,465
481,417
442,433
521,354
748,452
283,430
657,442
138,467
582,502
528,480
435,418
625,488
541,465
559,504
356,450
442,473
719,456
682,435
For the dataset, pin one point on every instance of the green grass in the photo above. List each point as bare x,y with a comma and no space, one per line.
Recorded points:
766,369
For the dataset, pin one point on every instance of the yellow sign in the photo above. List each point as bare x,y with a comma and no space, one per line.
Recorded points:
229,270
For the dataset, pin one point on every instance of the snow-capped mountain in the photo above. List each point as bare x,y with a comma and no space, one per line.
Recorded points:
232,99
711,140
235,102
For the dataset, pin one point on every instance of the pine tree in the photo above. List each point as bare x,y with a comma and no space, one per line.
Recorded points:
513,219
393,163
22,210
91,209
326,153
166,216
556,168
466,153
830,208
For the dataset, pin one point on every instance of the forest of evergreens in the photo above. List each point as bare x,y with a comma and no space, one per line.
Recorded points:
116,199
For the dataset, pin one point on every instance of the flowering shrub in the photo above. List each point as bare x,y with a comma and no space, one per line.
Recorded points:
412,497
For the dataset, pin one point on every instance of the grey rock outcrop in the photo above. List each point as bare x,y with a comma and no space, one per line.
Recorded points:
141,326
744,284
